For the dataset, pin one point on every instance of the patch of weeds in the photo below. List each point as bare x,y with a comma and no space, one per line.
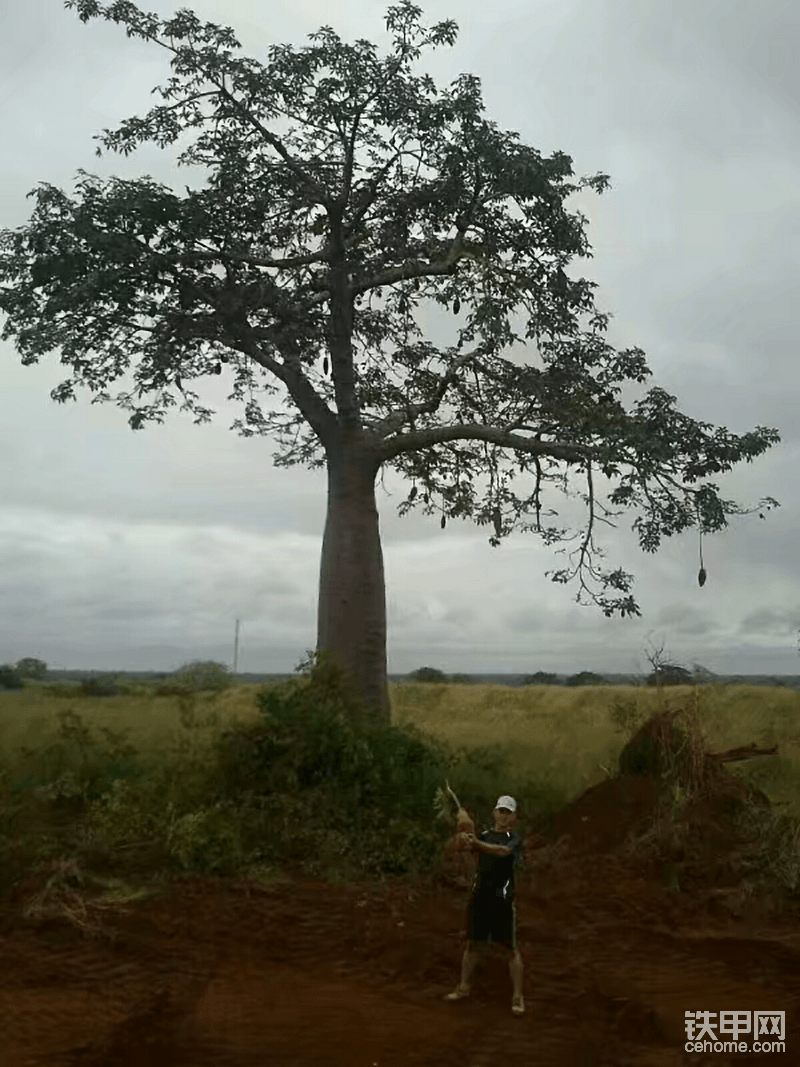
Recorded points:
207,840
774,856
626,717
99,686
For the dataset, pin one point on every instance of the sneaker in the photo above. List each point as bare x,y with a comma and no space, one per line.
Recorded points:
458,993
518,1005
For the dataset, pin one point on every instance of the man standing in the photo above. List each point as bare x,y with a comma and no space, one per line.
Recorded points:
491,915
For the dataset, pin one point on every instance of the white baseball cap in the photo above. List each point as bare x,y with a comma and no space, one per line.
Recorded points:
507,802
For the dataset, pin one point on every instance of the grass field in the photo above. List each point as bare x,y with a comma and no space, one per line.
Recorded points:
562,735
542,744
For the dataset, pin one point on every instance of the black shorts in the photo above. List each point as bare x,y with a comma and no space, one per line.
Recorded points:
490,918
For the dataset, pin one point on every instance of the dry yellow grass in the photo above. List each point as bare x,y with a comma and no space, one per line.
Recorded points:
563,732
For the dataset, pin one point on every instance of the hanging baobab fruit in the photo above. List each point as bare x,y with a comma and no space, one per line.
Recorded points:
325,365
403,304
498,528
413,493
426,497
701,577
443,522
456,306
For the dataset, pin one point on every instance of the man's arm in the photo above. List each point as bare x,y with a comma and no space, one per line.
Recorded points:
490,850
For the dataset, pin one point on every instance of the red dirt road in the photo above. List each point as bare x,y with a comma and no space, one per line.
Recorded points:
301,973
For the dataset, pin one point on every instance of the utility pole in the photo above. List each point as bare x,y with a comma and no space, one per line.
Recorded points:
236,649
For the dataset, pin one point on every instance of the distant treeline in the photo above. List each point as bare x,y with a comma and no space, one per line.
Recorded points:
665,675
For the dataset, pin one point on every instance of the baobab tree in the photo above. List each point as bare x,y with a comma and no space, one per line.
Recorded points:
300,267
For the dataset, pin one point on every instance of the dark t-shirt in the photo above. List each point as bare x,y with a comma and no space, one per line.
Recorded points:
495,874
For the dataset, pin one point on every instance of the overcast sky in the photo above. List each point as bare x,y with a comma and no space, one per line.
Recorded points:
123,550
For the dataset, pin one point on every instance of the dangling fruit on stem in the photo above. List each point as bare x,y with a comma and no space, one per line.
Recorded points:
413,493
456,306
701,577
443,522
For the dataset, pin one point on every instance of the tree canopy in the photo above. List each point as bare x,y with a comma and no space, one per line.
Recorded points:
301,264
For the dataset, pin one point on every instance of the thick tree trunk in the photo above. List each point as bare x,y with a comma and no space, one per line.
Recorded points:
351,619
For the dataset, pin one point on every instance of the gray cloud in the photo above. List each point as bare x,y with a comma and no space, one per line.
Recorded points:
124,550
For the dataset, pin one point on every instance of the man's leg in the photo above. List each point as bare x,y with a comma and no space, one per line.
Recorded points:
515,960
477,932
472,953
469,961
515,967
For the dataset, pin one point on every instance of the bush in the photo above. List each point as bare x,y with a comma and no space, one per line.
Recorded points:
76,756
10,677
99,687
585,678
207,840
197,677
32,668
358,776
428,674
540,678
313,732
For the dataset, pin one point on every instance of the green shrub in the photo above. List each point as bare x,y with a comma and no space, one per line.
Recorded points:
197,677
10,677
30,667
99,686
540,678
585,678
428,674
119,817
75,764
207,840
356,779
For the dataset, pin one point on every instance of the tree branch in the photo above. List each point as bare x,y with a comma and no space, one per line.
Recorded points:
277,144
259,261
460,247
410,412
427,438
350,146
412,270
313,408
